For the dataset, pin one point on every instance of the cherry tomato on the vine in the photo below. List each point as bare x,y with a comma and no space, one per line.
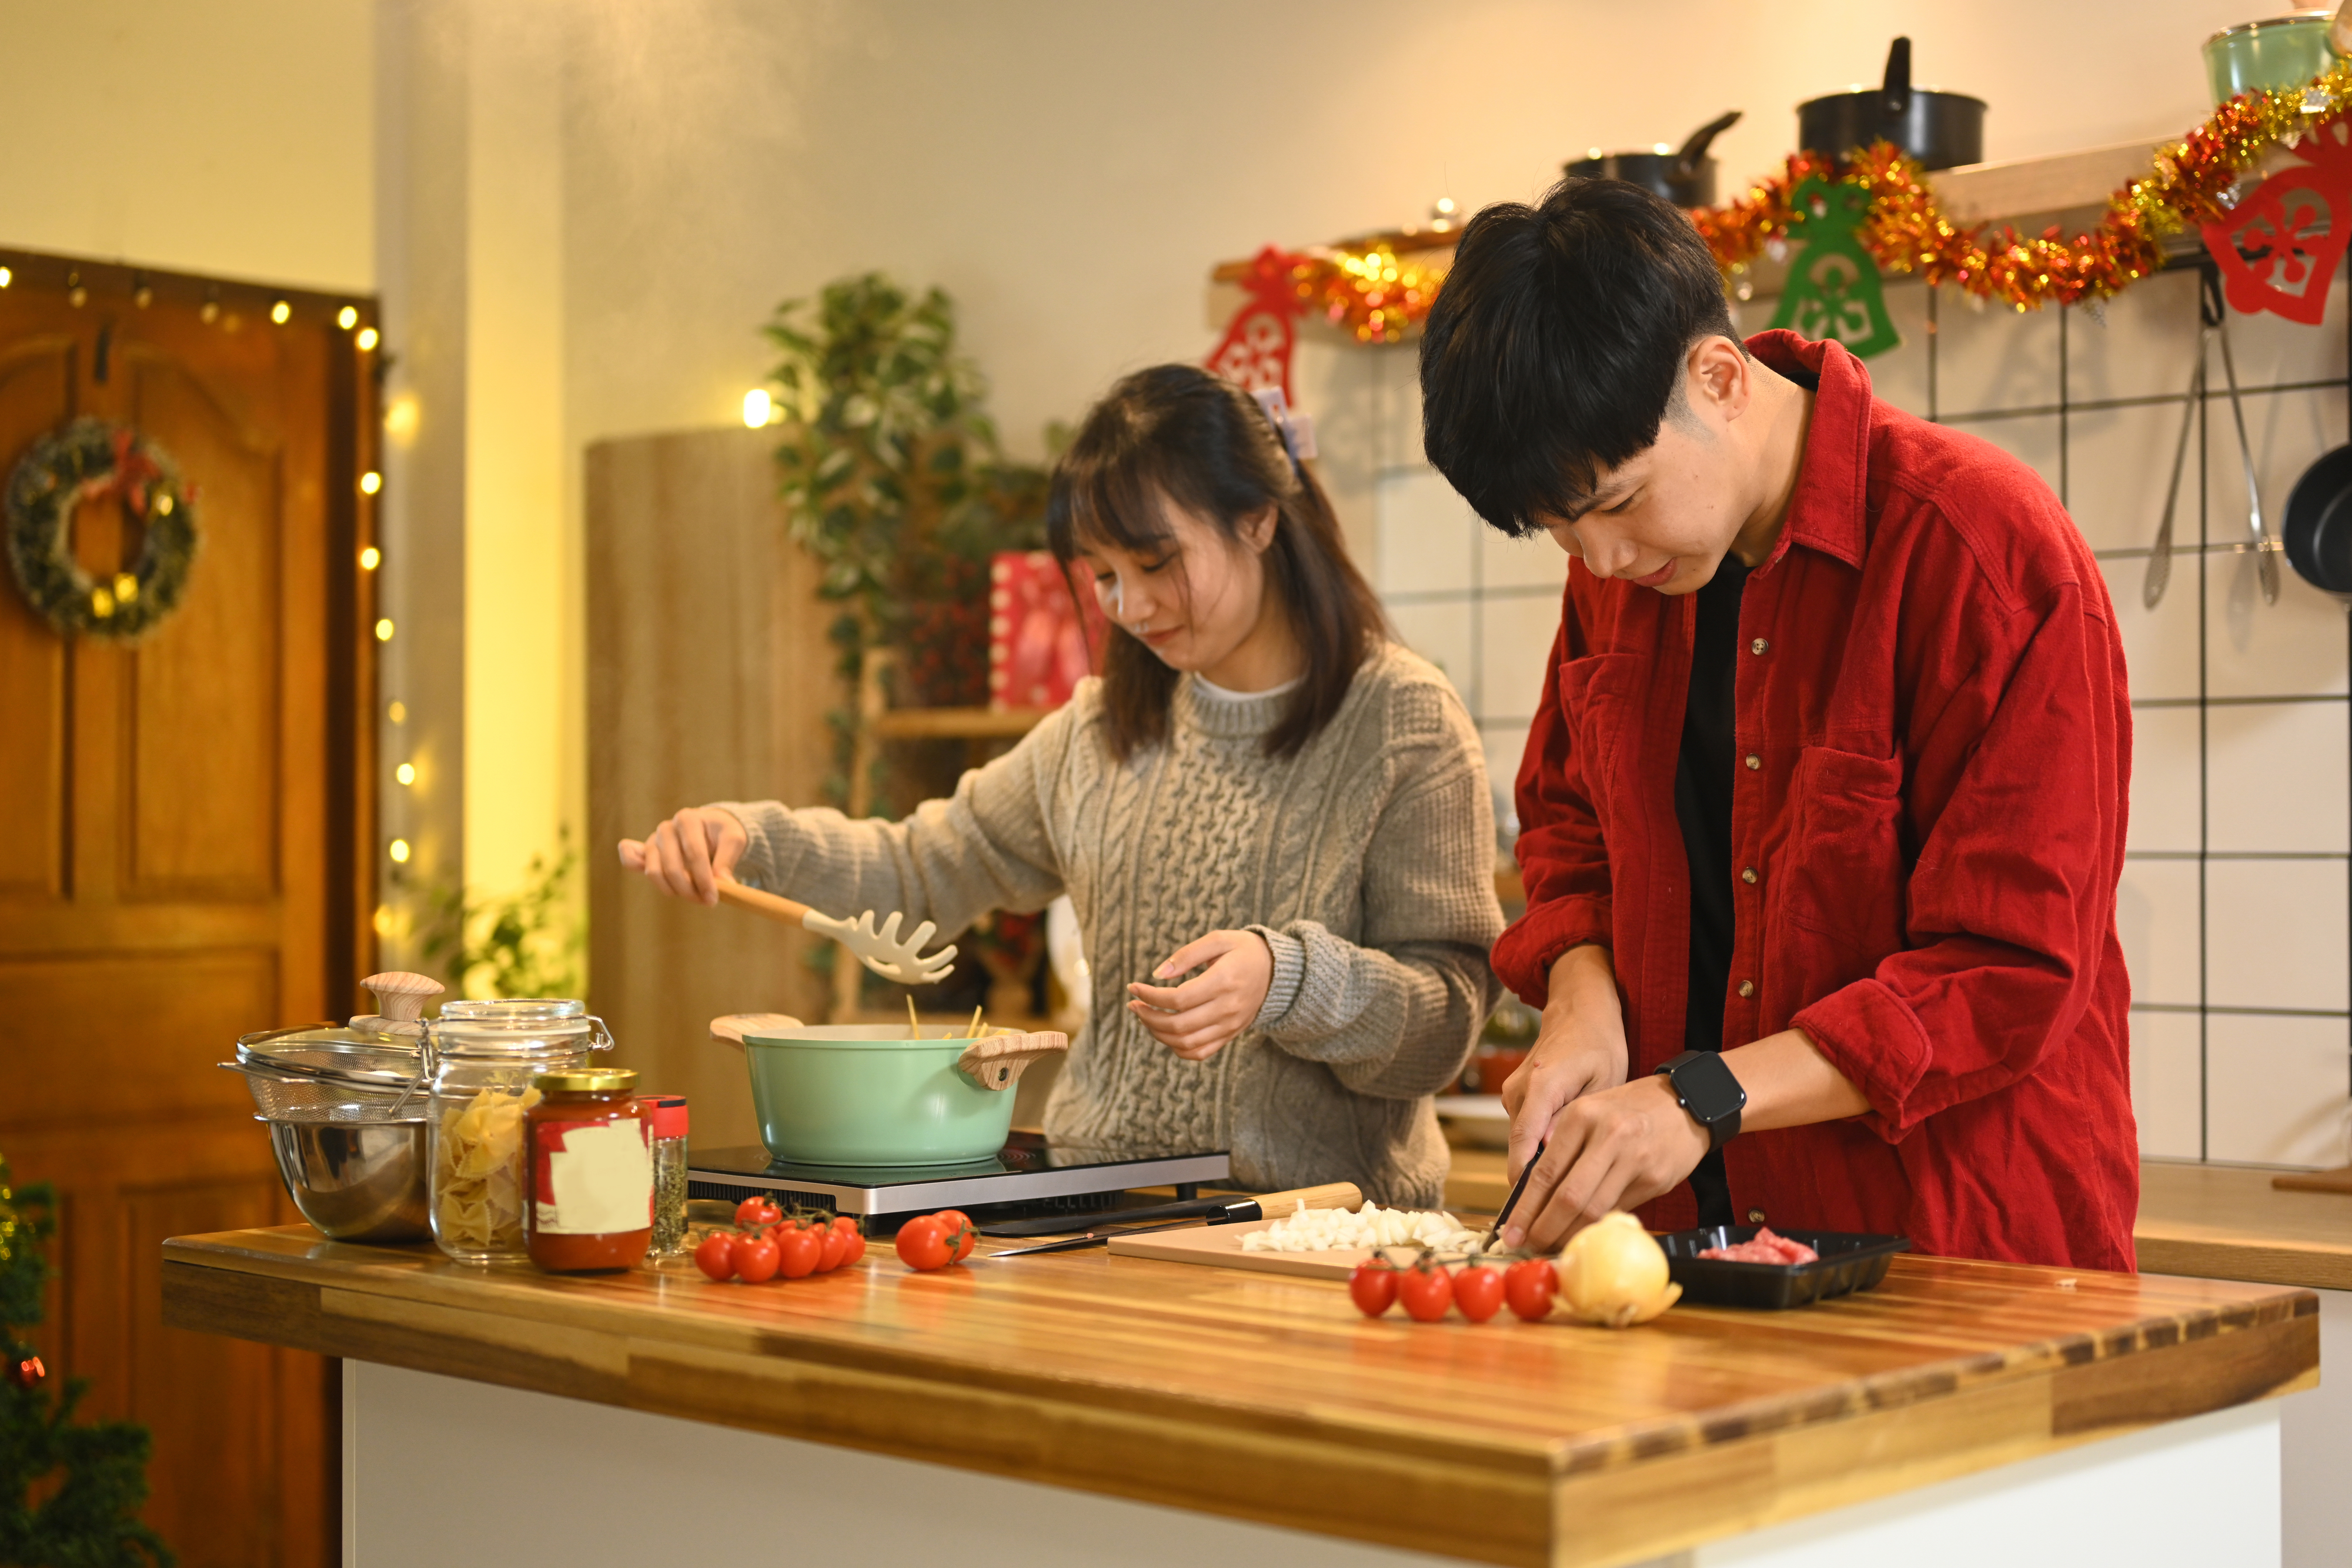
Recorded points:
799,1250
924,1244
755,1257
834,1243
1478,1291
716,1256
1426,1291
958,1229
857,1247
1530,1285
754,1212
1373,1287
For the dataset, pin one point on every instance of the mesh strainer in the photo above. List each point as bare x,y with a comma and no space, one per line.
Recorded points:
370,1071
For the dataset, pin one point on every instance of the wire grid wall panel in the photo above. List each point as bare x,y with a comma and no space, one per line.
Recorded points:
2235,908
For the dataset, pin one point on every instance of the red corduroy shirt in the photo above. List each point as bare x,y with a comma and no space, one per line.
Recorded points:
1934,743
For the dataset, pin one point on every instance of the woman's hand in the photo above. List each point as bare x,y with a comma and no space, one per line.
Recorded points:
1581,1050
1197,1018
689,855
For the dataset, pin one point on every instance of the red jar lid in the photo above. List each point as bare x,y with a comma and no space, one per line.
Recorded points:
667,1112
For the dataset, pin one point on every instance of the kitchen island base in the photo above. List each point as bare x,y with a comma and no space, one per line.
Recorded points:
461,1473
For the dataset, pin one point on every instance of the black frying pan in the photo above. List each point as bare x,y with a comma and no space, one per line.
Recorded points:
2318,528
1941,129
1684,177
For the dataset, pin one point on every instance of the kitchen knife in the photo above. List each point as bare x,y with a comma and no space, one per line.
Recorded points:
1237,1211
1527,1170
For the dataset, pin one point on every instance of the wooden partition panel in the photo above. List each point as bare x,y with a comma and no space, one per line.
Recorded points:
708,678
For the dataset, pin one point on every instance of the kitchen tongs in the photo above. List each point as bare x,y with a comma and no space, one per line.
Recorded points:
1178,1216
2213,323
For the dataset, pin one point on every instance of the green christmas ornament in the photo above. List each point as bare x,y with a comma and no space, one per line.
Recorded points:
1834,288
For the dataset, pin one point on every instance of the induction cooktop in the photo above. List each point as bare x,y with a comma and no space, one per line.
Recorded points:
1028,1174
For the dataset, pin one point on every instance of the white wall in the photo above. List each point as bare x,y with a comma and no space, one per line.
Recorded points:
231,137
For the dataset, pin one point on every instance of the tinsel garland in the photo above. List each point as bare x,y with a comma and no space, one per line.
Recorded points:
1378,297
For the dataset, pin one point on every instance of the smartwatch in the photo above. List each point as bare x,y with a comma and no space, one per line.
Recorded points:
1706,1088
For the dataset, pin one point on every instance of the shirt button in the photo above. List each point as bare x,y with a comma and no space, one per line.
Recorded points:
1753,761
1748,875
1747,988
1759,646
1755,1216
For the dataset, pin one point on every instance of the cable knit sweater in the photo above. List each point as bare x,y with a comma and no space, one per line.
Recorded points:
1365,860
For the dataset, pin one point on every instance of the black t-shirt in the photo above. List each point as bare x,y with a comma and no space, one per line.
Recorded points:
1703,807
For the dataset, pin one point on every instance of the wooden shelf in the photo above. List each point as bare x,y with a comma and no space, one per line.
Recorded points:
956,723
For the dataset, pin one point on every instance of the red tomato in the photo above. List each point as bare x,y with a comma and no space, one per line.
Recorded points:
1426,1291
924,1244
834,1247
958,1229
846,1222
1530,1285
1478,1291
1373,1287
857,1248
716,1256
799,1250
756,1258
754,1212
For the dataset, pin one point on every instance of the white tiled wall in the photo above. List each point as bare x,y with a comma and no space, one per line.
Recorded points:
2234,910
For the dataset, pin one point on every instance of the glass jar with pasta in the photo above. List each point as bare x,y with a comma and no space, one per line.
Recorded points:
483,1058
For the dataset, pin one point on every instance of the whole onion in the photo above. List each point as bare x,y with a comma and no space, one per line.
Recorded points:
1614,1273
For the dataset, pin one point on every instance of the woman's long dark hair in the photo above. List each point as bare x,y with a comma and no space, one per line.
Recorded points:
1179,433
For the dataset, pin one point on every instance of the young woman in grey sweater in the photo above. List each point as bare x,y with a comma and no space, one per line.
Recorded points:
1273,823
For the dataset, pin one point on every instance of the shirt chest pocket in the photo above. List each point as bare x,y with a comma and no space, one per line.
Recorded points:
1845,871
1596,701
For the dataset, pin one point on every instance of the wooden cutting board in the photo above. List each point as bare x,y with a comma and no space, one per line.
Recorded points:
1220,1245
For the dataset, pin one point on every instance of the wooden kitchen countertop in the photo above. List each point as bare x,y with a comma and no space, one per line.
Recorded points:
1267,1397
2214,1222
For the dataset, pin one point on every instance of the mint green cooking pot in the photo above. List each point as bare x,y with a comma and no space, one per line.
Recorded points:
2285,51
866,1094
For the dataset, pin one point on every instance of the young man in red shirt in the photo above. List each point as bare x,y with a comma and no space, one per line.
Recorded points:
1822,812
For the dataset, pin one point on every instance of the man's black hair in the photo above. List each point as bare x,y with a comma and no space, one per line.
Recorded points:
1557,345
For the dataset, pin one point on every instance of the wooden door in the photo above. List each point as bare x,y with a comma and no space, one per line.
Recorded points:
183,858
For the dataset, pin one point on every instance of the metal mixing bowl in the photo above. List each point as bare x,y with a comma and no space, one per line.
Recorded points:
355,1181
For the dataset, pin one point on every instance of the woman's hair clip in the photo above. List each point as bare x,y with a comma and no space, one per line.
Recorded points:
1296,430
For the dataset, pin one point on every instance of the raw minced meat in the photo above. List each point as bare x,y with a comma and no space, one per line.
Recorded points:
1764,1247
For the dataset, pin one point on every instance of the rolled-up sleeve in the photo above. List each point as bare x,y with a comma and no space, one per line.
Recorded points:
2016,791
1563,861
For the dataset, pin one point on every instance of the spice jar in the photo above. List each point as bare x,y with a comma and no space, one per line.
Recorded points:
591,1172
667,1114
482,1057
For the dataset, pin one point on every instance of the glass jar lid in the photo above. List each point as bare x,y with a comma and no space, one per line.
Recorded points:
520,1029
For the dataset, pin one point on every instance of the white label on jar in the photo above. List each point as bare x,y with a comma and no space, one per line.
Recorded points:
598,1183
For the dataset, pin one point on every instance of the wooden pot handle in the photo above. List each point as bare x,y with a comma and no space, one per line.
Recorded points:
997,1061
733,1027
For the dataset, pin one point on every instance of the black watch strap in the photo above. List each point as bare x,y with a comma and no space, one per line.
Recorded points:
1705,1086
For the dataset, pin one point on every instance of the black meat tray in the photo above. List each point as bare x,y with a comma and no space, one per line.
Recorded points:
1848,1263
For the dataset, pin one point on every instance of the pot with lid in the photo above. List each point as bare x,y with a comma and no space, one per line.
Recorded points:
1684,176
345,1107
1941,129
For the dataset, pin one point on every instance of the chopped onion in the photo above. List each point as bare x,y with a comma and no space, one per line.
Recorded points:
1331,1230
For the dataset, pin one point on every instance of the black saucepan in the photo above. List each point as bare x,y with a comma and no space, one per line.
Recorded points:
2318,529
1941,129
1684,177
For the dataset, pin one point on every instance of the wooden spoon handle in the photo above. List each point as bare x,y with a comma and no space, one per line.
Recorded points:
758,903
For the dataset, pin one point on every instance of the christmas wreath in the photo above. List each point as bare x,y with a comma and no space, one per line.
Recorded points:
89,459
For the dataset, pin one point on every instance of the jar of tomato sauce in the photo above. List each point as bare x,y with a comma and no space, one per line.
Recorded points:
591,1172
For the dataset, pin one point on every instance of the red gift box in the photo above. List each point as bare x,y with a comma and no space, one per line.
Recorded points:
1041,641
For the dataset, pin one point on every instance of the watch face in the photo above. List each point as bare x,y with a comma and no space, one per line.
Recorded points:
1708,1088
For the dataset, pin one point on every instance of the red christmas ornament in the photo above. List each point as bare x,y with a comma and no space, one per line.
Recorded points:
1254,353
27,1373
2278,247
